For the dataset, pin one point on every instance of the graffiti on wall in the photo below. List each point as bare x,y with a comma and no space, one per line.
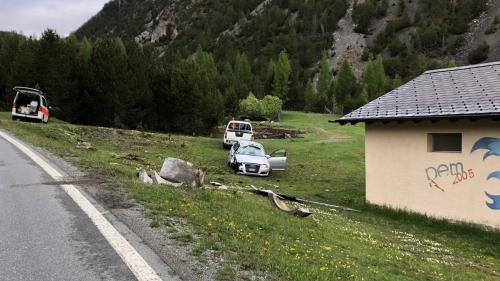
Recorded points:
492,145
443,170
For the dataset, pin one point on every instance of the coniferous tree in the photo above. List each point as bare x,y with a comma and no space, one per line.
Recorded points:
374,78
396,82
309,96
325,77
281,79
109,68
345,87
243,75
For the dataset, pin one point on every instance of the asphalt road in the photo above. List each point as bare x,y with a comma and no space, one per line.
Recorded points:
44,235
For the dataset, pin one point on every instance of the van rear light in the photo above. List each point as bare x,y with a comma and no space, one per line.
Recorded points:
225,135
14,105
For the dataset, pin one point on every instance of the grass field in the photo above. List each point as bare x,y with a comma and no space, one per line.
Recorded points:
257,240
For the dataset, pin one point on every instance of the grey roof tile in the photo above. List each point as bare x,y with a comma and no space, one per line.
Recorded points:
462,91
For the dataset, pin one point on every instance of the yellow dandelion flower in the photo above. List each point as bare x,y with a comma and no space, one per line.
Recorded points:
326,248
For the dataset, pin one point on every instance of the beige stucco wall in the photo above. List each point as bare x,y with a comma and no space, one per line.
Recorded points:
398,168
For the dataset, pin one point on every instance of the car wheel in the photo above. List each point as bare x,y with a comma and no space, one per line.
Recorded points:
14,118
234,166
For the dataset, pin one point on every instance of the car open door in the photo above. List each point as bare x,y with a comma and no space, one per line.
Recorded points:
277,160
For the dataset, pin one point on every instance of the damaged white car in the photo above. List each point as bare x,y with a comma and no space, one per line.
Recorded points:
249,158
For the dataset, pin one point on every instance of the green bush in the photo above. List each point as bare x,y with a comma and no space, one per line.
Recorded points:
269,106
479,54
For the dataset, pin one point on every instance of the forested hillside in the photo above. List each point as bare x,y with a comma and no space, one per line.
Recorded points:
259,29
411,36
201,59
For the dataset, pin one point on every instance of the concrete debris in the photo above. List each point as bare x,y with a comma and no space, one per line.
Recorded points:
157,179
280,205
144,177
83,145
219,185
290,198
180,171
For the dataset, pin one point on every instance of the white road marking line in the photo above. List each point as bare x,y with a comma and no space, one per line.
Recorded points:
139,267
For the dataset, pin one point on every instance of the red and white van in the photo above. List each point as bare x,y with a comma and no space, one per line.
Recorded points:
30,104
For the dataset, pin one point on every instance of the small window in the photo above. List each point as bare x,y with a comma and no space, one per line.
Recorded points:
444,142
237,126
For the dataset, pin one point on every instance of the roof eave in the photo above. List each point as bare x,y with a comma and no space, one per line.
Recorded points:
353,121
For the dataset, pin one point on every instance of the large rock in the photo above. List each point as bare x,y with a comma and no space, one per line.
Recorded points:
180,171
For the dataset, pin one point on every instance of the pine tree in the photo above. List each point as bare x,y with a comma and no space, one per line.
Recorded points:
110,71
396,82
52,66
243,75
281,79
422,64
309,96
345,86
325,78
374,79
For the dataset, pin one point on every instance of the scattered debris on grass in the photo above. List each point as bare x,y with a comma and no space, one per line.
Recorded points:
280,205
275,133
83,145
290,198
144,177
157,179
219,185
130,157
180,171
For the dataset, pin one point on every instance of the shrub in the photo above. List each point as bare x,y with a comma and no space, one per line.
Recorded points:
269,106
479,54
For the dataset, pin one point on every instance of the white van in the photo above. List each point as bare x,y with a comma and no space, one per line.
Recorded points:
236,131
30,104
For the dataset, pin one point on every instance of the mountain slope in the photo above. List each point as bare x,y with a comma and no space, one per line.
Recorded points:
259,28
411,35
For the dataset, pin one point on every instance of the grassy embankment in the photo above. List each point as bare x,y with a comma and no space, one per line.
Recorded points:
331,245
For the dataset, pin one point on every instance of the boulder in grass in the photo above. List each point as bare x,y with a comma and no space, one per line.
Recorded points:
144,177
180,171
159,180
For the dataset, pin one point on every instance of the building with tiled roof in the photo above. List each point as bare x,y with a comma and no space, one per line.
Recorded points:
433,145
